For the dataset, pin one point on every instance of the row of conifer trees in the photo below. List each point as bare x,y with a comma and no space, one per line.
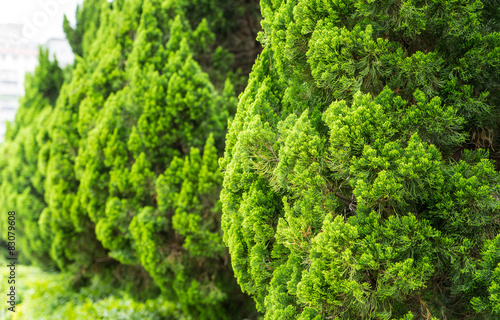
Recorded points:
359,176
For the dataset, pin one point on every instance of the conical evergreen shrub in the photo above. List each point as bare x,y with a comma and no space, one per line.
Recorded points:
359,173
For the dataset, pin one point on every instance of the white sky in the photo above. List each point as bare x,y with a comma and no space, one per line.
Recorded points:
42,19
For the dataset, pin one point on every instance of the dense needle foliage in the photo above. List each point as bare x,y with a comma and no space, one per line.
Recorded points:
359,171
360,178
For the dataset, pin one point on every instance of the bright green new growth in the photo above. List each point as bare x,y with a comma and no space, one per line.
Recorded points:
358,180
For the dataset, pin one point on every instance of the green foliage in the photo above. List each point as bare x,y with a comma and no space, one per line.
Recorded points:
487,278
358,172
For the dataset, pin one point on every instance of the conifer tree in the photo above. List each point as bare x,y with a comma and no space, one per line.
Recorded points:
359,174
132,174
87,24
24,161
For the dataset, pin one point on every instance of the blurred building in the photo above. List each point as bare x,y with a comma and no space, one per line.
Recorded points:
17,57
61,49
